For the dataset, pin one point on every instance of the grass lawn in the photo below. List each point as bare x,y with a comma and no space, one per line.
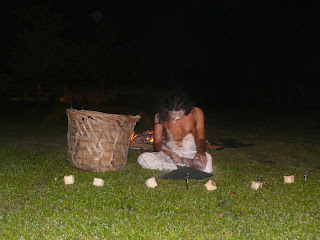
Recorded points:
36,204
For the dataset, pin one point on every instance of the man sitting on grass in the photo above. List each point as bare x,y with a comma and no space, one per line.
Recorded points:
184,138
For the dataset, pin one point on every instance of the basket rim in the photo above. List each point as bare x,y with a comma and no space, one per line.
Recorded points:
96,113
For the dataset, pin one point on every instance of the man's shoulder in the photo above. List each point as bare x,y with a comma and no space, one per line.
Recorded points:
196,110
156,118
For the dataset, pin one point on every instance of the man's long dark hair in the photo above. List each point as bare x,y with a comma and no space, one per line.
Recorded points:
174,101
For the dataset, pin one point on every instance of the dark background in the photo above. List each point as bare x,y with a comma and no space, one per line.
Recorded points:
221,53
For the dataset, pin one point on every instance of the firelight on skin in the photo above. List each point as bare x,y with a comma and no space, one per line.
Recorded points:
176,115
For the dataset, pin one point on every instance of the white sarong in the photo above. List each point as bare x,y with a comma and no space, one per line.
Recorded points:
161,161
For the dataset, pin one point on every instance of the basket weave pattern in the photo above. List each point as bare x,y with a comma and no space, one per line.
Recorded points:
99,142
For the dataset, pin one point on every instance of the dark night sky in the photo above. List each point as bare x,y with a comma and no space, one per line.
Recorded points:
238,43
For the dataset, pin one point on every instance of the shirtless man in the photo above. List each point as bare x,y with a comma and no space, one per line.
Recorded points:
184,141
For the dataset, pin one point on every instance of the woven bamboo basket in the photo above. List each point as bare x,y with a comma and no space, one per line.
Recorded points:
99,142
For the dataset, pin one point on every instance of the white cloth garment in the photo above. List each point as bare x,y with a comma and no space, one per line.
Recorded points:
161,161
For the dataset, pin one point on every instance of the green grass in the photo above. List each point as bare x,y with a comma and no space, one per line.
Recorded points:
36,204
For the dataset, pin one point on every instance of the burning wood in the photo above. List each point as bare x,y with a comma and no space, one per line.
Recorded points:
142,140
144,137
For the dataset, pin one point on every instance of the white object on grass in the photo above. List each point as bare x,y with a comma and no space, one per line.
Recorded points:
98,182
151,183
68,179
256,185
288,178
210,185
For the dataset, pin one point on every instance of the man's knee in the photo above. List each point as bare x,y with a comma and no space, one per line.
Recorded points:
143,158
209,157
140,159
208,167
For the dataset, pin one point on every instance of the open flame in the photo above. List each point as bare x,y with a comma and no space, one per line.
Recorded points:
132,137
144,137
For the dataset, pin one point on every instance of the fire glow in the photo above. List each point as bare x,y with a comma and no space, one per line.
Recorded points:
144,137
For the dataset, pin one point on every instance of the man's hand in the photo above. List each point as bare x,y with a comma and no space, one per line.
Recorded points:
202,157
200,161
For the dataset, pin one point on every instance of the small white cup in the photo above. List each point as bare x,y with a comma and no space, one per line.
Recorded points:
98,182
68,179
256,185
288,178
151,183
210,185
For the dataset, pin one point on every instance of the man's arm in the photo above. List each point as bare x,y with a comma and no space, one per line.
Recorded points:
157,144
157,134
200,131
200,159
